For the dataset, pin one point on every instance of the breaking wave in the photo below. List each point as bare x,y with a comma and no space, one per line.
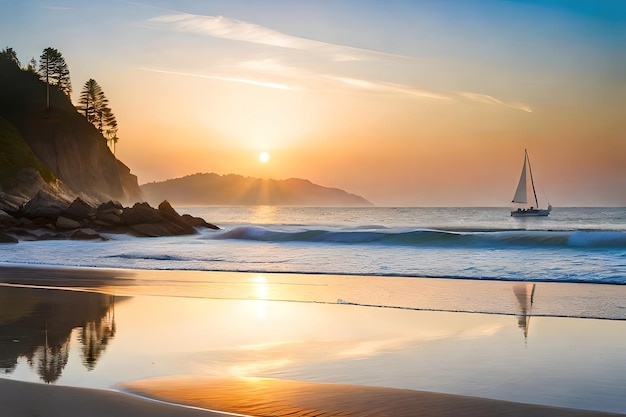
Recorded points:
496,239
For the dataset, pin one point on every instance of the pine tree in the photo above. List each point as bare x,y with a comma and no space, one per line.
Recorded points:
95,105
32,65
10,55
53,70
93,102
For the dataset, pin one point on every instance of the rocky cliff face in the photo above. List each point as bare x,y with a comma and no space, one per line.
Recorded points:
63,141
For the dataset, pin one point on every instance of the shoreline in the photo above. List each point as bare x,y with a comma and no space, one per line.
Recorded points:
481,296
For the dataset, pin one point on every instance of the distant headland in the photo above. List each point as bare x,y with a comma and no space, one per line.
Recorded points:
213,189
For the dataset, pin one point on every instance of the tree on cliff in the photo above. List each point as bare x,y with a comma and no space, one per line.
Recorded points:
10,55
97,111
32,65
53,70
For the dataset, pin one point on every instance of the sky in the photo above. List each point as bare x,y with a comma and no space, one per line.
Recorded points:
406,103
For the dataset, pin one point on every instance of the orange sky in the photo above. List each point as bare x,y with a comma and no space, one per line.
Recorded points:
423,103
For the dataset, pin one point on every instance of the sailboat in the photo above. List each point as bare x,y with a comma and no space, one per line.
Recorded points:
521,194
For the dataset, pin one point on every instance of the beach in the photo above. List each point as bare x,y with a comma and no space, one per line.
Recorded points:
289,344
276,398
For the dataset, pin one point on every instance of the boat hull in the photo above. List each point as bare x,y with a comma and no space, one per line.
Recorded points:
531,212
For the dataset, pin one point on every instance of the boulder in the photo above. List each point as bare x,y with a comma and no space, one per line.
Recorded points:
48,216
43,204
197,222
79,210
104,219
168,211
66,223
86,234
141,213
160,229
110,206
4,238
26,183
11,203
7,220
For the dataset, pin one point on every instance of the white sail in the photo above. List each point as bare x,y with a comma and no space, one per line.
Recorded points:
520,192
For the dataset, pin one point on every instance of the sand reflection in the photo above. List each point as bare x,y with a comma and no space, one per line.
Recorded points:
38,324
525,294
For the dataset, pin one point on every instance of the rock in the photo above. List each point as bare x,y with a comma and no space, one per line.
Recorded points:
43,204
4,238
86,234
110,206
160,229
50,217
109,213
7,220
108,219
79,210
197,222
11,203
65,223
141,213
26,183
167,210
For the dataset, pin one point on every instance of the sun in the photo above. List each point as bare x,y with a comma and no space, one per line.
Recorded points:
264,157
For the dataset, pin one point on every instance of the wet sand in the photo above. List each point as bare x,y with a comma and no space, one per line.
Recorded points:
246,396
255,397
274,398
25,399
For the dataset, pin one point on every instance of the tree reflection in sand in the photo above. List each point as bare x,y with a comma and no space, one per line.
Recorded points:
37,324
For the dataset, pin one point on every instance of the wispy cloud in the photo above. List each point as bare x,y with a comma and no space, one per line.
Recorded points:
229,79
484,98
234,29
273,67
57,8
226,28
239,30
391,88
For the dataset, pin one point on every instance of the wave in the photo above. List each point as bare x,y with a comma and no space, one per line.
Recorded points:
584,239
179,260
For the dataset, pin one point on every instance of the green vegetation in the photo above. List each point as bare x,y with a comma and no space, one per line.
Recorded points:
42,130
9,54
97,111
16,154
20,90
54,71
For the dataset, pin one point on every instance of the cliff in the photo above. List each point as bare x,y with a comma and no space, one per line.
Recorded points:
60,150
214,189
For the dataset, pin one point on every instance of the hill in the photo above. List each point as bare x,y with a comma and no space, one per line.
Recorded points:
55,149
214,189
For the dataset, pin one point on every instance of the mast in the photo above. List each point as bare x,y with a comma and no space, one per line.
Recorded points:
531,178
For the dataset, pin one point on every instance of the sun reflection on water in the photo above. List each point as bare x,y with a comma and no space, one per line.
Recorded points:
262,289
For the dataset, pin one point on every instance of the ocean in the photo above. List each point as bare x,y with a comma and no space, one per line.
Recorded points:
572,245
465,301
